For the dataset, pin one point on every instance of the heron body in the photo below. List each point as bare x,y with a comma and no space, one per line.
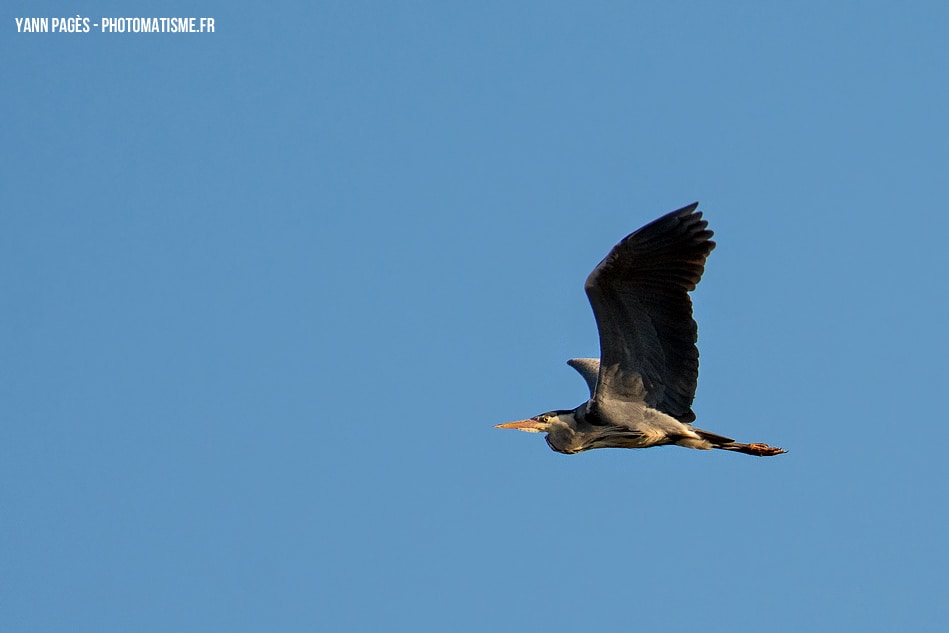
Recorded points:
643,384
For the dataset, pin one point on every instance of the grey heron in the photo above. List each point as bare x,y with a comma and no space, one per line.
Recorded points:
643,384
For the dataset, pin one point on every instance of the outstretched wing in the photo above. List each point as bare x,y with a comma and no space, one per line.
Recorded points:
589,368
639,294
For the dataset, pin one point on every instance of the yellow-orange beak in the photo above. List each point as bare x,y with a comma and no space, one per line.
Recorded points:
529,424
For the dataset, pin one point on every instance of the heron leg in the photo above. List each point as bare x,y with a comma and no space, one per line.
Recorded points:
756,448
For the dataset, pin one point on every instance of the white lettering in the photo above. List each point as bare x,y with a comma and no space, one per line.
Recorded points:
130,25
77,24
32,25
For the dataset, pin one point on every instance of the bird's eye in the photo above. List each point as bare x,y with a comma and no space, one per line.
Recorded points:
545,418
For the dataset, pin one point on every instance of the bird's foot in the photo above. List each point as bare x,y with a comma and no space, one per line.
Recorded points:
763,450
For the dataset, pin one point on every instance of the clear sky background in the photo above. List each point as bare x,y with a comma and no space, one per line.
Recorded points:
264,293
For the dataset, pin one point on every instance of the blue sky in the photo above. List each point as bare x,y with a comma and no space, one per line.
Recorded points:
265,292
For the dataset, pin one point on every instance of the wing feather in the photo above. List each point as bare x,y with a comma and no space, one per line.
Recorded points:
639,295
589,368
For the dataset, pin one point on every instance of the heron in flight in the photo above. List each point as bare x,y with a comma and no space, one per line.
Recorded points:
643,384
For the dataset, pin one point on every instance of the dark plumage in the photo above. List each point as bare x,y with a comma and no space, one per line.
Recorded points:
639,294
641,389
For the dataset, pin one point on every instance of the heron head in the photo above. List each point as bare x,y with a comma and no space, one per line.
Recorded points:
538,424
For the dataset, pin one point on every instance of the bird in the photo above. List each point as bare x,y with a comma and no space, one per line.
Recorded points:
643,384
